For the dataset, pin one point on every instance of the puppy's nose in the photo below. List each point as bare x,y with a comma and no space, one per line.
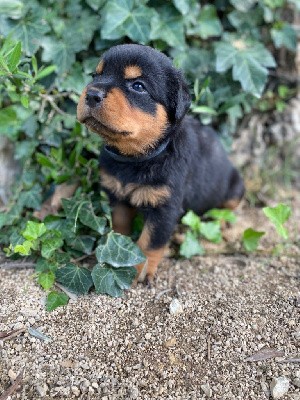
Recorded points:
94,97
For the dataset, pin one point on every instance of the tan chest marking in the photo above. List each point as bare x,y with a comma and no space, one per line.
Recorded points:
138,195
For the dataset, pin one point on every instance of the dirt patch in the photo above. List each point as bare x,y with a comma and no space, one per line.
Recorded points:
133,348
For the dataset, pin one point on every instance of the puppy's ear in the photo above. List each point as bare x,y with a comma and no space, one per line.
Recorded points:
180,97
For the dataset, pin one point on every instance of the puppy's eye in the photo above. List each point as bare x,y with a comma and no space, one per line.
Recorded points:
138,87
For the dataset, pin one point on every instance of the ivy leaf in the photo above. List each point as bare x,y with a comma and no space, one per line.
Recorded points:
244,5
278,216
78,280
192,220
34,230
221,215
87,217
11,8
119,251
208,23
251,239
51,241
182,5
112,281
46,279
284,36
43,265
29,30
191,246
83,243
248,61
55,299
58,52
167,25
121,17
31,198
211,231
24,249
96,4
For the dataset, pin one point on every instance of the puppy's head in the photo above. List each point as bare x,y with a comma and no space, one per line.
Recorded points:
135,97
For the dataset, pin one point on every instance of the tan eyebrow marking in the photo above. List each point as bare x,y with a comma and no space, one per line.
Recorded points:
132,71
100,67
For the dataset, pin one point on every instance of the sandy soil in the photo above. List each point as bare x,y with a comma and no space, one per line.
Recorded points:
133,348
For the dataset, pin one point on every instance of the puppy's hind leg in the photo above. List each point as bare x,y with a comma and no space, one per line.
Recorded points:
236,190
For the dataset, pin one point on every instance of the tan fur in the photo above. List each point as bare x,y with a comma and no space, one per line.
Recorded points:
122,217
138,195
149,195
144,129
81,106
231,204
100,66
149,267
132,71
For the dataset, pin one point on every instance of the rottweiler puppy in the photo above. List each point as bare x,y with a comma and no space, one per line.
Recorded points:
156,159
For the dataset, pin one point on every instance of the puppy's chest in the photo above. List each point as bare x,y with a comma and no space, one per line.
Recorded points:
137,195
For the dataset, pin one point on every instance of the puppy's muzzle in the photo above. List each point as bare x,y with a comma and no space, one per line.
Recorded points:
94,97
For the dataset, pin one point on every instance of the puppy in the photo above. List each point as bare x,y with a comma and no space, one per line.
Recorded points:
156,159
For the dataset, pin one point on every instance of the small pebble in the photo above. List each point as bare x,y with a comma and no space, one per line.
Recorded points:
42,389
12,375
206,390
279,387
175,307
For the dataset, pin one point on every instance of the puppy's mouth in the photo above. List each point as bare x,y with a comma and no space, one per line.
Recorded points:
103,129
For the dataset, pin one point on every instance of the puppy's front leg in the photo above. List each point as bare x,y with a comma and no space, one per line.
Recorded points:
157,230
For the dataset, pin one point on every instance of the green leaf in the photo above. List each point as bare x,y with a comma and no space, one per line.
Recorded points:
191,246
43,265
114,15
24,100
248,61
14,57
34,230
251,239
182,5
96,4
46,279
30,31
208,23
24,249
244,5
11,8
122,17
284,36
83,243
59,53
211,231
31,198
221,215
119,251
204,110
43,72
167,25
78,280
278,216
112,281
51,241
87,217
55,299
192,220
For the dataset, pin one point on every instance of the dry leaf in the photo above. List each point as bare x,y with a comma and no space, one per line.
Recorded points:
264,354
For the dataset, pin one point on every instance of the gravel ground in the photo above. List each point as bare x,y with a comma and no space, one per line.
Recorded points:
134,348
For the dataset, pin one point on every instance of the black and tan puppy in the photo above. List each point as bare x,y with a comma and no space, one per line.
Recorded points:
156,159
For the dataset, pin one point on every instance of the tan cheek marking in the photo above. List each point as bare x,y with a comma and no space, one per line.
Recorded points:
81,107
132,72
149,195
231,204
145,129
100,66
